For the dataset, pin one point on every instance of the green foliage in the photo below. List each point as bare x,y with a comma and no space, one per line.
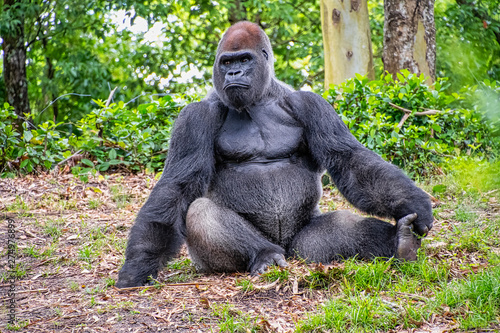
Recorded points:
468,41
110,137
274,273
9,137
246,285
440,126
135,138
473,175
232,320
358,312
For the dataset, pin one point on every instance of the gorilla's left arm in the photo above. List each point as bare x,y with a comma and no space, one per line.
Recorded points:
159,229
364,178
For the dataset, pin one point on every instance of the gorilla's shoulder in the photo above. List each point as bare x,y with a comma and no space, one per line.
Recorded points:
305,102
210,104
209,112
305,96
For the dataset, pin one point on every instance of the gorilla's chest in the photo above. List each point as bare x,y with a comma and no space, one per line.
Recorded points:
264,132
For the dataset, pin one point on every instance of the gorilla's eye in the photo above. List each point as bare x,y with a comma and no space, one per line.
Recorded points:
227,62
244,59
265,54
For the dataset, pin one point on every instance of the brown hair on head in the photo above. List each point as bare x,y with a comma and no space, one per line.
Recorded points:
242,35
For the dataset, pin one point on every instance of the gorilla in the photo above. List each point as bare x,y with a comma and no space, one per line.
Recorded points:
242,179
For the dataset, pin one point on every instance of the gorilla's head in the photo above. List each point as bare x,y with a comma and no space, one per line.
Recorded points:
243,67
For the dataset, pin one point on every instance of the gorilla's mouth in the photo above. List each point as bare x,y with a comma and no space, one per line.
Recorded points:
236,85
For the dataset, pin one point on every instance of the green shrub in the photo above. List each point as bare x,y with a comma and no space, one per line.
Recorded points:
138,138
9,139
439,126
108,137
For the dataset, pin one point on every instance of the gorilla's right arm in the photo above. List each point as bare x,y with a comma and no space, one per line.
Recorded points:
159,230
364,178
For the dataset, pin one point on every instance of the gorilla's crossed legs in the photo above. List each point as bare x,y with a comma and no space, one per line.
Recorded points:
327,237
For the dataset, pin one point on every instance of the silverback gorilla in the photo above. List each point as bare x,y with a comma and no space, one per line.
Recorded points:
241,183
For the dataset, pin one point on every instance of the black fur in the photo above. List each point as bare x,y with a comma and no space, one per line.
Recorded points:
241,182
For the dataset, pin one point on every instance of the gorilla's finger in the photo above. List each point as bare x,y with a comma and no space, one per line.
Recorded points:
259,270
281,262
407,220
279,259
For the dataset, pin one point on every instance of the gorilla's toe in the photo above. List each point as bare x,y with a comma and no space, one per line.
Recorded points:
266,259
408,243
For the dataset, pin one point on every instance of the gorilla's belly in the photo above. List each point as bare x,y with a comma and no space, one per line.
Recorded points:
276,197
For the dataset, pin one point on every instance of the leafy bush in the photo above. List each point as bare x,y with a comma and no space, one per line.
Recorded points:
135,138
411,124
108,137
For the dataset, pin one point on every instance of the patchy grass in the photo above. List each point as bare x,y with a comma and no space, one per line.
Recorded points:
71,238
232,320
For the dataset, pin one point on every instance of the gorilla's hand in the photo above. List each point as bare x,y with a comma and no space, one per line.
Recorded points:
134,276
267,258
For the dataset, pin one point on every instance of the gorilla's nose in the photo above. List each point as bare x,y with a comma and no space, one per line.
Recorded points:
235,73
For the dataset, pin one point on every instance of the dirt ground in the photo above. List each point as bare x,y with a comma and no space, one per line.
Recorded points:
71,238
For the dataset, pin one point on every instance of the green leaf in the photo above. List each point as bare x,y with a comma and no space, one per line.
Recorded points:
88,162
85,171
24,163
112,154
103,167
436,127
27,136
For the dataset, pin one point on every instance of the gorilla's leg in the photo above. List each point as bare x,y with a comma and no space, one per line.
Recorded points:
220,240
341,234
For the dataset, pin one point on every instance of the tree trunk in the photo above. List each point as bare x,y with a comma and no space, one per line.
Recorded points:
346,40
50,75
410,37
14,61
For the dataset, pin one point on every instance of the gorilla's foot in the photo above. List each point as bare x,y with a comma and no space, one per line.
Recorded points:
265,259
407,242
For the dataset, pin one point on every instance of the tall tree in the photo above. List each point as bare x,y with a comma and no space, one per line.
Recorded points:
14,55
410,37
346,40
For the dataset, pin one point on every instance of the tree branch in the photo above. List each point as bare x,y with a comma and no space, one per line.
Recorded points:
424,113
409,112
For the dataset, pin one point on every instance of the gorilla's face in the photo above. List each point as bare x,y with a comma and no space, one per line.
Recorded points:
243,66
241,78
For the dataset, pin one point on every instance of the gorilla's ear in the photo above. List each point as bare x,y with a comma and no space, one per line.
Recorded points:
265,54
